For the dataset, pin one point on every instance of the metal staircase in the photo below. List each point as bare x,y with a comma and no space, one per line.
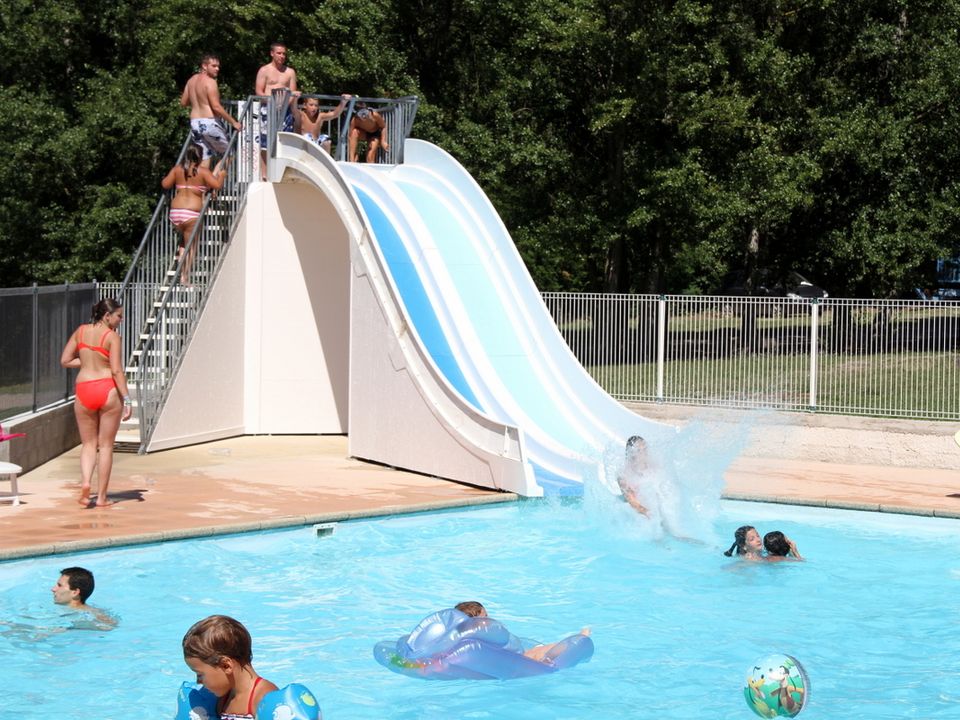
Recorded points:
165,312
156,303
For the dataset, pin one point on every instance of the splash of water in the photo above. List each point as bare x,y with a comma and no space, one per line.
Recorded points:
679,483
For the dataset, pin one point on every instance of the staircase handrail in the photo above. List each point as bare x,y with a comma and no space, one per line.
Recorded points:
172,309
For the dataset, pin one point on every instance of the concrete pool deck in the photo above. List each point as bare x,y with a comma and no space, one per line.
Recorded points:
251,483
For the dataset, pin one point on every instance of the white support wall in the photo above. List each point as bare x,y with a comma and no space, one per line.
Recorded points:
297,308
270,354
303,333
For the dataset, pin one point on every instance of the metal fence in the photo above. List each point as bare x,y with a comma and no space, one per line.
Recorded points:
888,358
36,322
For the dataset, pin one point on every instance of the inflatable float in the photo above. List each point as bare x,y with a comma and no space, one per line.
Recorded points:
293,702
450,645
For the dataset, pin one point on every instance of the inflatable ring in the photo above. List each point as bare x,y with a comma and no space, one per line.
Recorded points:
293,702
195,702
450,645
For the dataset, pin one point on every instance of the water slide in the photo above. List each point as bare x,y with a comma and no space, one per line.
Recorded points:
478,315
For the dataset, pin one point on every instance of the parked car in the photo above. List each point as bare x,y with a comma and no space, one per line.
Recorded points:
763,283
945,281
792,287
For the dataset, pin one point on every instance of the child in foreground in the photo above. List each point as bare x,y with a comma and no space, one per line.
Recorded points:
220,651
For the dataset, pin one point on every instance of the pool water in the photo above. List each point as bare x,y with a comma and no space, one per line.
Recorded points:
872,614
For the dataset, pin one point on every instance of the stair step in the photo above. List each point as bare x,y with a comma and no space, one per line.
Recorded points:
179,289
153,320
139,352
126,446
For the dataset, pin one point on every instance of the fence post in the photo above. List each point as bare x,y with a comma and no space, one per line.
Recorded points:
66,334
661,343
814,336
34,346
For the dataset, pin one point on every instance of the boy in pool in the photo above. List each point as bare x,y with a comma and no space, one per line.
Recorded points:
780,547
537,652
220,651
635,464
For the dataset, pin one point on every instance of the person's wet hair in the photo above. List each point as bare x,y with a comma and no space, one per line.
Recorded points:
217,637
471,608
776,543
739,540
81,579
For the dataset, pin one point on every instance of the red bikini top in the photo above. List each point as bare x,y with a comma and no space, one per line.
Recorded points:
81,345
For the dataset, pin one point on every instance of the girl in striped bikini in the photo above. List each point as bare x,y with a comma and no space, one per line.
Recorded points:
191,181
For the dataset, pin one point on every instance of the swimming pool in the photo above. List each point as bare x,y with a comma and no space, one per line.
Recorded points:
872,614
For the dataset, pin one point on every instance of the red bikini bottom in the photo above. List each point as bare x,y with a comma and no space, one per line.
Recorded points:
93,394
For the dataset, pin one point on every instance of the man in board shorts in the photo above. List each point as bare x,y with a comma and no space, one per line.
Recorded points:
275,75
202,96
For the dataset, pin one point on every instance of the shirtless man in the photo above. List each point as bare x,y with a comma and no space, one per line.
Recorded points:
311,120
371,126
202,96
275,75
73,587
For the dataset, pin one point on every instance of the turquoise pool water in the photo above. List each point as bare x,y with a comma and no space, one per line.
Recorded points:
873,615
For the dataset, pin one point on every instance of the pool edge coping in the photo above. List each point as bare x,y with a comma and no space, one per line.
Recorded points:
292,521
826,502
276,523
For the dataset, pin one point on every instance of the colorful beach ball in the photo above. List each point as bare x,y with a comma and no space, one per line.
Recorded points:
777,686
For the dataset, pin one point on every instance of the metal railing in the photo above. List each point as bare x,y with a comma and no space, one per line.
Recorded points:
399,114
36,323
887,358
156,302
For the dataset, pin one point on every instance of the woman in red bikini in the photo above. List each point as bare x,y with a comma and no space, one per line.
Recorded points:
102,396
191,182
220,651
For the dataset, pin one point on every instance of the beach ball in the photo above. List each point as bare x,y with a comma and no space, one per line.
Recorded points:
777,686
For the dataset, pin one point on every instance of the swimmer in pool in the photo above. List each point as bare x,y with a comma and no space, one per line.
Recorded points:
537,652
72,589
746,544
635,463
780,547
220,651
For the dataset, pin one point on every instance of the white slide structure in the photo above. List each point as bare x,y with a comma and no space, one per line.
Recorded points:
471,314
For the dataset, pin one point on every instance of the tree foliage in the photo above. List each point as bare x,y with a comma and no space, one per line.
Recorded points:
630,145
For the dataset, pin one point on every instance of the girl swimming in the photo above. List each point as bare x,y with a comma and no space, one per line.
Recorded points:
746,543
